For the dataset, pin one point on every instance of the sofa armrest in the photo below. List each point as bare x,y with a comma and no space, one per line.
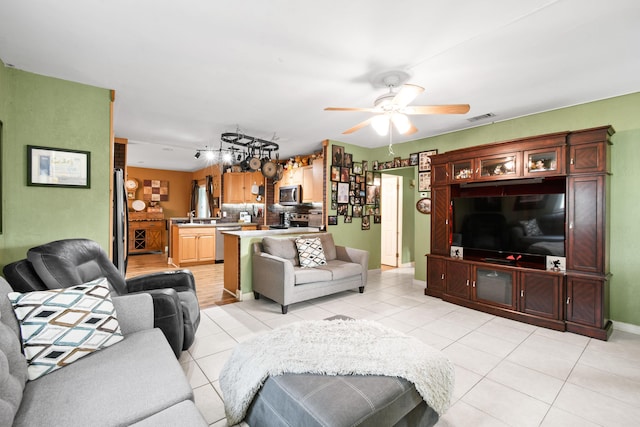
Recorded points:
135,312
180,280
357,256
272,276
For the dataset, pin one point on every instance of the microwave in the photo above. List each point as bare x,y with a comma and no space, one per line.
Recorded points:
290,195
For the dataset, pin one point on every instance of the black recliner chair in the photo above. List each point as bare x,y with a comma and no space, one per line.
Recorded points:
71,262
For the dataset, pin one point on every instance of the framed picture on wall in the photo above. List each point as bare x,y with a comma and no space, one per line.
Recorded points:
337,154
58,167
424,181
424,160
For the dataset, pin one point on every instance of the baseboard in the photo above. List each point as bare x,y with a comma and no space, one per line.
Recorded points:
626,327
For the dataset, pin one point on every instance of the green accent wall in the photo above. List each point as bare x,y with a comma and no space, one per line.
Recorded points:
40,110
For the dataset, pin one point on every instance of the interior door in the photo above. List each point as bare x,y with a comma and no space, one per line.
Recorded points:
391,211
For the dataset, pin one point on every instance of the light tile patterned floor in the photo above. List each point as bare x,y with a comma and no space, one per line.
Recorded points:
507,373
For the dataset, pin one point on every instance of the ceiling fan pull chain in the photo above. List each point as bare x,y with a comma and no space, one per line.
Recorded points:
391,153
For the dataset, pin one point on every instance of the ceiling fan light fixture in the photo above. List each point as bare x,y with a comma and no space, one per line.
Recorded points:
380,124
401,122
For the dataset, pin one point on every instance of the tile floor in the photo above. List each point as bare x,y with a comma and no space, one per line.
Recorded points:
507,373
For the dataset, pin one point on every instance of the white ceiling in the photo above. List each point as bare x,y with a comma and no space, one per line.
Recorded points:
186,71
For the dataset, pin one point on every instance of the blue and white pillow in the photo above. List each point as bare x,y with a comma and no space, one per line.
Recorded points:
60,326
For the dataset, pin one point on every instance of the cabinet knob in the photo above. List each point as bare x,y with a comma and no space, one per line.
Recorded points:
570,225
467,282
442,276
572,162
473,284
568,300
521,293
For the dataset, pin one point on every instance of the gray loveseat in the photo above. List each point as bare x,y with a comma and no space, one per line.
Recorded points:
137,381
277,273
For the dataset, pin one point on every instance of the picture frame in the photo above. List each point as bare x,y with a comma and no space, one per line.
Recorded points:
344,174
424,181
348,219
372,194
356,211
424,205
332,219
369,178
405,163
397,162
347,160
377,219
413,159
424,160
366,222
58,167
365,165
343,192
337,154
335,173
356,168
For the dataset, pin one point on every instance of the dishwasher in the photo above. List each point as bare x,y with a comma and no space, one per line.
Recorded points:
220,240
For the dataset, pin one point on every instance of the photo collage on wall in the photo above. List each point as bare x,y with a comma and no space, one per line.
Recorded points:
355,190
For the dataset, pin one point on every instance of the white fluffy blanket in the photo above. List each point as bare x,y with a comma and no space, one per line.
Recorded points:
336,347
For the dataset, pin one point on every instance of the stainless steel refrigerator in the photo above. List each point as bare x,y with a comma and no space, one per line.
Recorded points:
120,220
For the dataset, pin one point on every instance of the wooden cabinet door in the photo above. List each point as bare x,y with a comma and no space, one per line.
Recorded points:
586,223
458,282
308,185
439,174
188,249
318,180
436,276
587,158
493,285
544,162
233,183
540,294
440,220
206,247
585,298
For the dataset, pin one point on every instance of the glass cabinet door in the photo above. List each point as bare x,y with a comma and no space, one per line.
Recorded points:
494,286
543,162
462,170
499,166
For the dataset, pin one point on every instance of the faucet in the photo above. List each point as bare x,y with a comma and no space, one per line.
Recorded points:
191,214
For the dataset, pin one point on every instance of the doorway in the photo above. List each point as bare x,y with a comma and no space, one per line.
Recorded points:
391,224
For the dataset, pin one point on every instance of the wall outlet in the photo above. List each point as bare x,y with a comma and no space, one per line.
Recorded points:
457,252
556,263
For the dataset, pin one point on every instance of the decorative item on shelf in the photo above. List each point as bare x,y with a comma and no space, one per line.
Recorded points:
457,252
131,185
138,205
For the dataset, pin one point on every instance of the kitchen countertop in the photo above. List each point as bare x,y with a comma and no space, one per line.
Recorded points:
218,224
273,232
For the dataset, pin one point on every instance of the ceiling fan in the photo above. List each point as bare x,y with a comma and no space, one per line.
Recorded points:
393,107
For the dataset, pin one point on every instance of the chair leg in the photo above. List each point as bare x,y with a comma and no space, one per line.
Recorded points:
256,295
285,308
361,289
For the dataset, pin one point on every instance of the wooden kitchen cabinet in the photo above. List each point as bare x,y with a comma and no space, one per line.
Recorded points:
237,186
193,245
146,236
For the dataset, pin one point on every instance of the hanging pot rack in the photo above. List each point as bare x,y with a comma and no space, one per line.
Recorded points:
251,143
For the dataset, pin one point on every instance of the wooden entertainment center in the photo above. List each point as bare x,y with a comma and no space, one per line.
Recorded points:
575,299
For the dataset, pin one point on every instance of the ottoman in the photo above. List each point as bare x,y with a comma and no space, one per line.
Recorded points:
343,400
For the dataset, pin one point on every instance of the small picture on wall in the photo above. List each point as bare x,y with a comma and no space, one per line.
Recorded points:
343,209
424,181
365,165
366,224
413,159
344,174
337,153
348,219
343,192
357,168
347,160
333,220
424,161
377,219
356,211
335,173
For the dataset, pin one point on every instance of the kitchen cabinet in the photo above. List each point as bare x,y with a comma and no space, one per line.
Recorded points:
587,307
440,219
310,177
193,245
237,186
146,236
544,162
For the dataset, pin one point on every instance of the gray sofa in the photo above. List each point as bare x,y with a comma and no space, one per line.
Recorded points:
277,273
137,381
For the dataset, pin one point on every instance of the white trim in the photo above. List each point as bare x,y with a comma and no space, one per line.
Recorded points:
626,327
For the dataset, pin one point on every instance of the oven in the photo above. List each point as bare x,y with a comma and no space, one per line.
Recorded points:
298,220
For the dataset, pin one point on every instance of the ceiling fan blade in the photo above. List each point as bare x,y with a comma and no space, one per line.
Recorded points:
437,109
369,110
411,130
357,127
406,94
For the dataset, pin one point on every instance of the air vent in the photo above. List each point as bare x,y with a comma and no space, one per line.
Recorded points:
481,117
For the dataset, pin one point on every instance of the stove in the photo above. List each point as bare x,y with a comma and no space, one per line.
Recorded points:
298,220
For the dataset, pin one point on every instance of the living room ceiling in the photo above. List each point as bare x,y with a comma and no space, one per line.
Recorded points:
186,72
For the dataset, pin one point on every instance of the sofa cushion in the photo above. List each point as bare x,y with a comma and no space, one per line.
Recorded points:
282,248
531,227
311,275
61,326
341,269
13,365
310,252
328,245
120,385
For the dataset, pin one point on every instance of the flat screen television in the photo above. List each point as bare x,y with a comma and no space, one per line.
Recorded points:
497,227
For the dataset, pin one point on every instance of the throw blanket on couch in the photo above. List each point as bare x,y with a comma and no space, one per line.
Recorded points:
336,347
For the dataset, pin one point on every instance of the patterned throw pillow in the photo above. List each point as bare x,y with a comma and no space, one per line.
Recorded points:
310,252
531,228
60,326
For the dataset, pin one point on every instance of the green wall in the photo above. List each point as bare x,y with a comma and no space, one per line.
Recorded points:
623,113
39,110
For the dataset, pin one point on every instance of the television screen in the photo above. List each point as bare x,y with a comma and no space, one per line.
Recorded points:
515,224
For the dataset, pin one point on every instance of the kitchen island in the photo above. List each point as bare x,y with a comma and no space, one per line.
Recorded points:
197,243
237,256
